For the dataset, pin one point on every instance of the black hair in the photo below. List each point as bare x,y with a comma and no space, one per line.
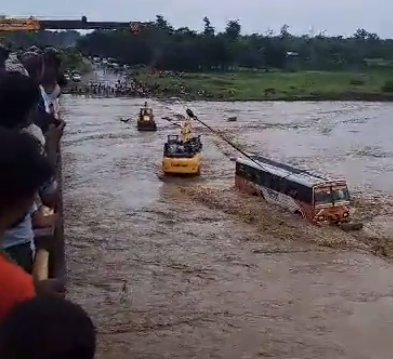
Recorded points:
47,327
35,49
52,61
52,57
4,53
23,168
19,94
33,62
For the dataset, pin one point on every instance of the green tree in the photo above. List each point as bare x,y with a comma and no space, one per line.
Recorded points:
162,46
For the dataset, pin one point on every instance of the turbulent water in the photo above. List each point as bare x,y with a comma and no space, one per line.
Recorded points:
192,269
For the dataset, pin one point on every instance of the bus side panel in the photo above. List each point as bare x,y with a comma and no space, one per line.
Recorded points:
247,186
275,198
289,203
275,189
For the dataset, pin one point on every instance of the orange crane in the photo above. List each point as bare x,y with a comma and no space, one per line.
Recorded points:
33,24
19,24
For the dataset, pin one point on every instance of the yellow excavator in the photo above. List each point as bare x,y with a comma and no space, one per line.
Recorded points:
182,153
146,121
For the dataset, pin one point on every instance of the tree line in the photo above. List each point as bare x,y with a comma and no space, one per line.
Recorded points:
18,40
66,41
160,45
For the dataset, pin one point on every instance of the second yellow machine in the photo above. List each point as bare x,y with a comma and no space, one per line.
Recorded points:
146,121
182,153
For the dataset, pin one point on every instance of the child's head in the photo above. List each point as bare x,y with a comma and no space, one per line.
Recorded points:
33,61
19,97
52,60
47,327
23,170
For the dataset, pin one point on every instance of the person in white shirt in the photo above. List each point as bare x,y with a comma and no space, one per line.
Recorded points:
51,100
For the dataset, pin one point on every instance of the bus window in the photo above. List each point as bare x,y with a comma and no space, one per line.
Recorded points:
252,172
322,196
263,178
245,172
282,185
269,181
240,170
257,178
300,192
340,194
291,192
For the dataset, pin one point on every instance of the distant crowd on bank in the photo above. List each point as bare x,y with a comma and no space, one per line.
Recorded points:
121,88
129,83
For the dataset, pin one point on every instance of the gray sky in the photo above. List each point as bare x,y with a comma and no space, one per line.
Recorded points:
303,16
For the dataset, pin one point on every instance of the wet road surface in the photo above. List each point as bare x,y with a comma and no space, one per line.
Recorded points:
193,269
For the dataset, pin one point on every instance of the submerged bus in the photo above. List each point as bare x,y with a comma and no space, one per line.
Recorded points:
313,196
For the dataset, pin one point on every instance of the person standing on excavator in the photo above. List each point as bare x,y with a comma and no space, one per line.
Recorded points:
145,109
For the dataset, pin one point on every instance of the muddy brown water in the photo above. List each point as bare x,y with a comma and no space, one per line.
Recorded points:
192,269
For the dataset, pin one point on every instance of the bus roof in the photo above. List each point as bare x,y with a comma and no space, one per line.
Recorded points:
304,177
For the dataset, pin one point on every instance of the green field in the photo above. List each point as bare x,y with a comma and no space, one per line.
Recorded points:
291,86
75,62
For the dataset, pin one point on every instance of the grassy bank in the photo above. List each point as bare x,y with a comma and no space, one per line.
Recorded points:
376,85
81,65
74,61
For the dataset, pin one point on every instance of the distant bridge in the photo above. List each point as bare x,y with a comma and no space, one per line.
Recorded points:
83,25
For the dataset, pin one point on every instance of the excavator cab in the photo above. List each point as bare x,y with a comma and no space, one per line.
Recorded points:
182,152
146,120
194,144
145,112
172,139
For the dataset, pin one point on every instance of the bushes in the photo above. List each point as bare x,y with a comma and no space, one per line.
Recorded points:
357,82
387,86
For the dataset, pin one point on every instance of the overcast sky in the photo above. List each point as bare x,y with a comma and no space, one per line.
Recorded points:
303,16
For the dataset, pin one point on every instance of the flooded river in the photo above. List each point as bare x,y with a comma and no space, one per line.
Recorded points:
192,269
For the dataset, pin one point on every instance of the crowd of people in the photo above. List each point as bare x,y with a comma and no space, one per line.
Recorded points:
122,88
36,320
